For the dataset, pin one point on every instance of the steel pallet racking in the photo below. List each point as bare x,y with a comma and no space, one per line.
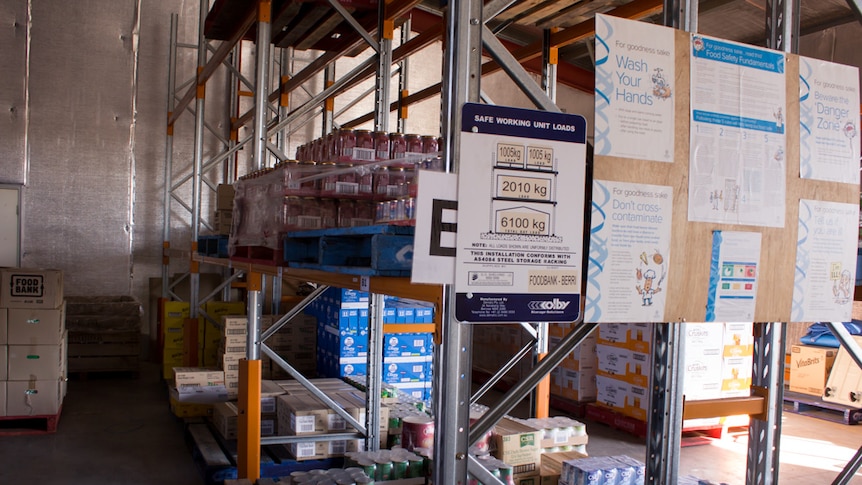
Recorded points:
465,36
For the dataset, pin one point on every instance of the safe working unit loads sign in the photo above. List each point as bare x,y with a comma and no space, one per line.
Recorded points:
520,215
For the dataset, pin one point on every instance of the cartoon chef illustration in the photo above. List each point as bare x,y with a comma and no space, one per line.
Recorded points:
646,291
841,288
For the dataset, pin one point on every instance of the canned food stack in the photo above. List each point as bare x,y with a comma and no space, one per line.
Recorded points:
397,414
394,464
603,470
501,470
559,433
335,476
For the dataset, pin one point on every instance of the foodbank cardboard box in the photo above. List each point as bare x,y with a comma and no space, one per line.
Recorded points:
810,367
3,337
33,397
35,362
35,326
517,444
31,288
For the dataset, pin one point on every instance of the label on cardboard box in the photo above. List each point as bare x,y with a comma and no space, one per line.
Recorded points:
39,362
198,376
517,444
35,326
31,288
33,398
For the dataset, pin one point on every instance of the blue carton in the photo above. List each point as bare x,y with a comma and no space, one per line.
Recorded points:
406,369
346,298
348,367
407,344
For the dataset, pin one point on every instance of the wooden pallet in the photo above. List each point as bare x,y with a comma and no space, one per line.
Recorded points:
213,245
381,250
29,425
690,436
104,352
815,407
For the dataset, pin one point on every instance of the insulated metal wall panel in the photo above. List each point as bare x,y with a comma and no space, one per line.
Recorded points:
77,203
13,82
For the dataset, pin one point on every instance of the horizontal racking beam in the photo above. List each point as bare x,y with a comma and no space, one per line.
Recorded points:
394,10
531,53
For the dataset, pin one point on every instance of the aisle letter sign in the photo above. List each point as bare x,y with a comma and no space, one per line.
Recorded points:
738,157
629,252
634,89
825,262
829,121
520,215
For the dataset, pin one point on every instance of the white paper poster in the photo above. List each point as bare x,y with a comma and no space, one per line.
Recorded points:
733,276
634,89
737,168
520,215
629,252
826,250
829,121
436,228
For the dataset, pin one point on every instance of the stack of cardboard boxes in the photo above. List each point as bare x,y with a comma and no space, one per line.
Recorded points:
575,378
294,342
231,349
224,209
32,342
300,413
623,352
342,336
180,348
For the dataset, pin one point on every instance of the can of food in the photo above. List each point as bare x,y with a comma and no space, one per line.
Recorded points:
310,215
328,213
368,466
348,183
292,207
344,146
317,150
414,143
381,145
397,182
364,151
304,172
381,213
329,151
415,467
330,178
346,212
383,470
409,208
365,212
399,469
429,144
380,182
397,146
365,178
417,432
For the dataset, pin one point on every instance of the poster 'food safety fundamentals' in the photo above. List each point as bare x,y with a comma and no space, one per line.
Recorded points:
825,262
738,150
629,252
733,276
829,121
634,89
520,215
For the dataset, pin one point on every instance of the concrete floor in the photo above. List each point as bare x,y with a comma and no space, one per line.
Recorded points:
120,431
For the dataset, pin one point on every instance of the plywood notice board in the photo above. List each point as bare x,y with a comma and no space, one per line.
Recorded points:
687,284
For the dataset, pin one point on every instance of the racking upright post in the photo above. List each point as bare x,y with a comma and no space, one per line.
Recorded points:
664,423
767,379
200,102
169,154
403,77
461,75
248,459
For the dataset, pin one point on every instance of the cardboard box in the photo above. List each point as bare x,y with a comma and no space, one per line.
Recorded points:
738,339
235,324
225,419
2,399
845,378
4,360
703,360
3,327
31,288
552,465
736,376
34,362
809,368
623,364
198,376
575,385
300,414
36,326
224,197
33,397
308,451
517,444
632,336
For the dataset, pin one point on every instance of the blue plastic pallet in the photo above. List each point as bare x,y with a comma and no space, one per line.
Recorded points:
381,250
215,246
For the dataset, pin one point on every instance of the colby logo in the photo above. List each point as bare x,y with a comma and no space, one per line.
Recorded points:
555,304
528,440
